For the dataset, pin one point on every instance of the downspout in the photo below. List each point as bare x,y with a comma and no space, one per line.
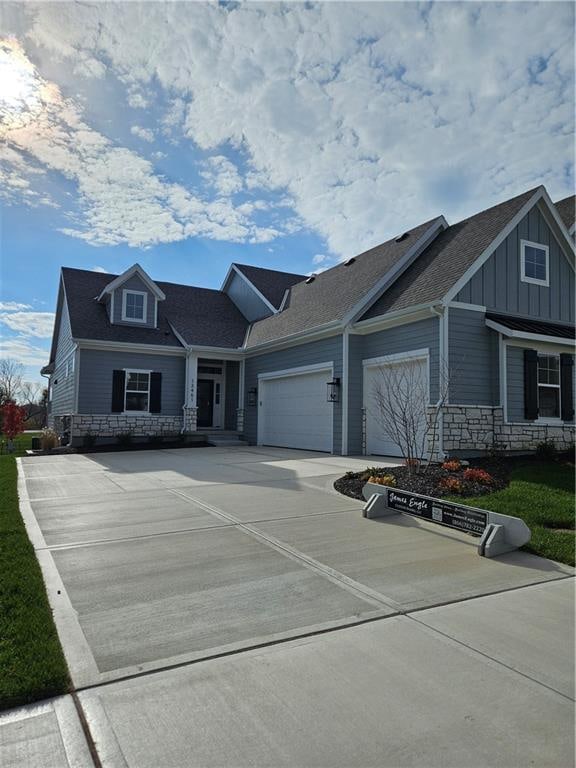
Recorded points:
441,311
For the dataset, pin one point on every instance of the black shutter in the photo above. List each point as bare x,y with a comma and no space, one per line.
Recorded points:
118,378
155,392
530,384
566,391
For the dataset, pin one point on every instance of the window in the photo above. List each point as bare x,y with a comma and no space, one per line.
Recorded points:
70,366
534,263
137,396
134,306
549,386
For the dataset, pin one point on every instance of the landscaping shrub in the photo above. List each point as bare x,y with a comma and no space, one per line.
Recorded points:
546,450
451,465
451,485
475,475
124,438
48,439
389,480
88,440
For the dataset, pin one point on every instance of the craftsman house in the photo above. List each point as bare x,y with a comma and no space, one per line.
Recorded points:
287,360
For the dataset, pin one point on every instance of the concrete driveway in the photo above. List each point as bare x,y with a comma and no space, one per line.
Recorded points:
321,634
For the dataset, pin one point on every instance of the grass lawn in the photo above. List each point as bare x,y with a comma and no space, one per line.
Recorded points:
542,494
31,659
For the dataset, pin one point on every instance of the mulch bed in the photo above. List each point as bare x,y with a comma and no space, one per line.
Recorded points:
428,480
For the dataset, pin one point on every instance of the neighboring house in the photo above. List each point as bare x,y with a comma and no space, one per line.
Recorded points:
484,308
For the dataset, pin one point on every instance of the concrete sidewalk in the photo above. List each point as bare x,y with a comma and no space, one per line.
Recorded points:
335,647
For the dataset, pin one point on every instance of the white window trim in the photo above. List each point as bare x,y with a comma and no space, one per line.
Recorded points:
550,419
523,277
125,292
136,370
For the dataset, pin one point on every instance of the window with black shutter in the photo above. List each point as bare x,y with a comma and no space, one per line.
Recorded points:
530,384
118,378
567,386
155,392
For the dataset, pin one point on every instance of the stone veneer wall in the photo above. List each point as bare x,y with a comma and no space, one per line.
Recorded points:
482,428
103,425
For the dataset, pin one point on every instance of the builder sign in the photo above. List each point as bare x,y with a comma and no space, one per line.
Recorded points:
444,512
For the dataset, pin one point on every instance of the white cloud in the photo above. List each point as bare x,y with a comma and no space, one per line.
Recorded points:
21,350
320,258
372,116
98,268
223,175
146,134
137,100
38,324
13,306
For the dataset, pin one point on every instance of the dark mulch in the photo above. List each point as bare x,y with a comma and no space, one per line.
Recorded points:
428,481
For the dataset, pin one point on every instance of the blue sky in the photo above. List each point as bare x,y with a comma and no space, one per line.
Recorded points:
185,136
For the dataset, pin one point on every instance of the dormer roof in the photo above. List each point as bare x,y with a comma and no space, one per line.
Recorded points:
135,269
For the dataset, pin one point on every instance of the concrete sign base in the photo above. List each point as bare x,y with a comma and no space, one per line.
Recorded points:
498,533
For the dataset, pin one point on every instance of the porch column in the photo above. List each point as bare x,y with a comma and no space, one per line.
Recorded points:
190,409
240,409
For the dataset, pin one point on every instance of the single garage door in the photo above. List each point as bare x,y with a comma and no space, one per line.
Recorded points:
408,382
294,412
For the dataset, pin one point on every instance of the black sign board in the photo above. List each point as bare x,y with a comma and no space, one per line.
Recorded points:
443,512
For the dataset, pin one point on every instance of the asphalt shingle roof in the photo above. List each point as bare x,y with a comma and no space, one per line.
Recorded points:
333,293
271,284
447,258
201,316
567,210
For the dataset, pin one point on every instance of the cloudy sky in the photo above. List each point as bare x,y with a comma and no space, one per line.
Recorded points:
189,135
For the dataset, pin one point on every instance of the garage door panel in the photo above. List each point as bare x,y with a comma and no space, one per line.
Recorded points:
378,442
294,411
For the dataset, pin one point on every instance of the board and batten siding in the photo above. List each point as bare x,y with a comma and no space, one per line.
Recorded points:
134,283
423,334
96,367
498,287
473,359
251,305
515,384
322,351
63,386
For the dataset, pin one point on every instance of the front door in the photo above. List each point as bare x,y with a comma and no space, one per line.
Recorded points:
205,403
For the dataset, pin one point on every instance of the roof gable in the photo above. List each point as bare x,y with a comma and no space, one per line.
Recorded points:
567,211
135,269
269,284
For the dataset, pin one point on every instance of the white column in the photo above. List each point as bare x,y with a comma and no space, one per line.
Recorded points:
240,409
190,410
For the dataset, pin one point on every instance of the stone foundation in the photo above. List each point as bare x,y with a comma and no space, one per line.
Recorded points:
475,428
118,424
189,419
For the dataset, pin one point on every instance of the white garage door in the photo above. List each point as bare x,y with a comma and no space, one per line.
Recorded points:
403,385
294,411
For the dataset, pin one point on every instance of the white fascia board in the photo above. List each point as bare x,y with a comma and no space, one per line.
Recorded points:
572,229
548,210
223,353
512,334
123,346
180,338
468,307
135,269
294,339
401,317
401,265
498,240
226,280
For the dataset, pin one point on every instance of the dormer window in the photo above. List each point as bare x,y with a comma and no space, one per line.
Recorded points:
134,305
534,263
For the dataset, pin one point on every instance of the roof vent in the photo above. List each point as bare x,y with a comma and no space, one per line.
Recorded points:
402,237
310,279
349,261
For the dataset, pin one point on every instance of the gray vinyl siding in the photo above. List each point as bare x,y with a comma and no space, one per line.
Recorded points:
63,387
231,393
473,358
423,334
497,285
323,351
134,283
515,384
96,366
251,305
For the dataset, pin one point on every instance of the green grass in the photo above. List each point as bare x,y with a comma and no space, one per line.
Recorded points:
31,659
542,494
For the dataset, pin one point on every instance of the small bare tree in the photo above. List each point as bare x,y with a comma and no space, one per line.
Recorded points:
402,408
11,373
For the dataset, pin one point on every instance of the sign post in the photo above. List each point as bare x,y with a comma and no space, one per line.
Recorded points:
498,533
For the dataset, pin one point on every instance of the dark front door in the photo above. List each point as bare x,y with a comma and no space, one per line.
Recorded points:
205,403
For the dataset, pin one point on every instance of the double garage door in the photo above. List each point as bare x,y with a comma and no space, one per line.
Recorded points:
293,411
